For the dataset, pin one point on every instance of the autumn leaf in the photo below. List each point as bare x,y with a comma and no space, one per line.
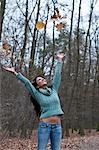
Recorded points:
6,46
58,14
40,25
60,26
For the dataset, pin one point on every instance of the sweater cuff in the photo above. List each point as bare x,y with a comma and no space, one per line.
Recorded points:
16,73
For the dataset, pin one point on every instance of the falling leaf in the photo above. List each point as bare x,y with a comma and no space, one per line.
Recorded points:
6,46
60,26
40,25
54,17
58,14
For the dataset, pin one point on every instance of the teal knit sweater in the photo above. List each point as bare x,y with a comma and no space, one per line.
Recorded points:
47,97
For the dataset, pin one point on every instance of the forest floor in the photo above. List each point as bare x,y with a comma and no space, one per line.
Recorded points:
90,141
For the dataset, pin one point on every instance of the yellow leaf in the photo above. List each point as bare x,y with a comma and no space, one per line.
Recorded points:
40,25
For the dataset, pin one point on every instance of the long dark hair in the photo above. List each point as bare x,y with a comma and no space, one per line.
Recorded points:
36,105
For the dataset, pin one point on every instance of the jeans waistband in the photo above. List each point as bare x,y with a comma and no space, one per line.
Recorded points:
43,125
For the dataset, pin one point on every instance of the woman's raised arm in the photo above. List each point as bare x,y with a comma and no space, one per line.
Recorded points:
58,68
23,79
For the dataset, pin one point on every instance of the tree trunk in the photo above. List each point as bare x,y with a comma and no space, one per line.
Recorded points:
25,35
70,39
53,49
2,11
32,55
44,44
66,127
81,84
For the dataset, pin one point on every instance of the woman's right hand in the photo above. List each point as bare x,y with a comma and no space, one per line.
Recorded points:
12,69
60,55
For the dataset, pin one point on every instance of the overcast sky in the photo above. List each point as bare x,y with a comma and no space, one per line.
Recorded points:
85,10
85,5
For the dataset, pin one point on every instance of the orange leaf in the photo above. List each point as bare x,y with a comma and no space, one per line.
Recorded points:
5,46
60,26
40,25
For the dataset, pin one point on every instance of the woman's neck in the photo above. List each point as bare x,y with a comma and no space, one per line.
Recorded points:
43,87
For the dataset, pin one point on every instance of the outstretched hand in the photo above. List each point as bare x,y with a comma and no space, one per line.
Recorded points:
60,56
10,69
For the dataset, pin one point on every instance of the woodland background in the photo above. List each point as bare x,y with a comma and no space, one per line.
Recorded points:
32,52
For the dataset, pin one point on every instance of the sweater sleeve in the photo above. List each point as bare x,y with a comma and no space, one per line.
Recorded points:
27,83
57,75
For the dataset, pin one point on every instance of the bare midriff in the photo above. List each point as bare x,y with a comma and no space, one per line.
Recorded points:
51,119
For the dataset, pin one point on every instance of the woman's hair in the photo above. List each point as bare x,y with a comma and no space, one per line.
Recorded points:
36,105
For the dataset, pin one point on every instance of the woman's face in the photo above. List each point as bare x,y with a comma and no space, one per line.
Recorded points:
41,82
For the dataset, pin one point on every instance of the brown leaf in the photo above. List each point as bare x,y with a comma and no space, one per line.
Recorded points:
60,26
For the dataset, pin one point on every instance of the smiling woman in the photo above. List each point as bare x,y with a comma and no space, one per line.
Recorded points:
41,82
47,104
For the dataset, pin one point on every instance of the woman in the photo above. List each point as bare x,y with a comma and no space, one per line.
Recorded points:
50,109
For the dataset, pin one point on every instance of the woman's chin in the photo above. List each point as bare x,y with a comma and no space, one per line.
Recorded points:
44,85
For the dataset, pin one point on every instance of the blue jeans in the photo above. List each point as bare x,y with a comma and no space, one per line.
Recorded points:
48,131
